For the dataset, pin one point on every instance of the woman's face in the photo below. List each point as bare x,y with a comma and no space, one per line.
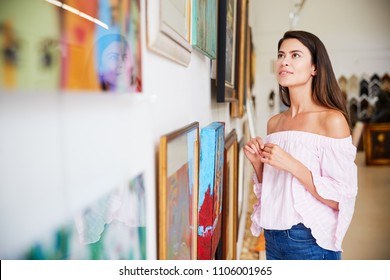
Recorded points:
293,67
116,66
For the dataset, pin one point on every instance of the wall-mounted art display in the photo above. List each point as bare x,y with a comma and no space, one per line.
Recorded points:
377,143
212,144
71,45
178,194
111,228
169,29
237,108
230,198
204,27
226,51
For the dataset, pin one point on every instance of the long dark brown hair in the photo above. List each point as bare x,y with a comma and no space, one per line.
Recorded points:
325,88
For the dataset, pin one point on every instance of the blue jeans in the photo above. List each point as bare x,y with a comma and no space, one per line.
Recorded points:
296,243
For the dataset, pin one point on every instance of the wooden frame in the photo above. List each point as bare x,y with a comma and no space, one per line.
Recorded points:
226,51
164,35
204,27
178,193
252,120
245,171
230,197
237,108
377,143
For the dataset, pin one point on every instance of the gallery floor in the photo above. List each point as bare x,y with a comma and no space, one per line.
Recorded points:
368,237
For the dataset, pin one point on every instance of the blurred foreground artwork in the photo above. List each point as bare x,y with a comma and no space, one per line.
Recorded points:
70,45
112,228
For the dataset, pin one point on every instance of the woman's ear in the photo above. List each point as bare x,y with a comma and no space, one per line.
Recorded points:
314,70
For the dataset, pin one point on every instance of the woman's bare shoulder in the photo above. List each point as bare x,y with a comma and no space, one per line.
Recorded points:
335,124
273,122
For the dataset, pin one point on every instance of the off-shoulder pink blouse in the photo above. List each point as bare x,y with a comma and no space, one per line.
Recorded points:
283,201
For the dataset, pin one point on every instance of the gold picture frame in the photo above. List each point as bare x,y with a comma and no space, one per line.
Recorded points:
377,143
178,194
230,198
237,107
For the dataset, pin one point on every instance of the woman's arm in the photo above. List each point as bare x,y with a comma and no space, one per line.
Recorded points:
280,159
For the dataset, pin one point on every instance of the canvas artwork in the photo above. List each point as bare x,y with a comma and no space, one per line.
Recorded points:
178,194
226,51
377,143
102,52
212,143
204,27
71,45
112,228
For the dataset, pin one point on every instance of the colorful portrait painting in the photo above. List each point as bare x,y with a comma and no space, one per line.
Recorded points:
210,189
103,54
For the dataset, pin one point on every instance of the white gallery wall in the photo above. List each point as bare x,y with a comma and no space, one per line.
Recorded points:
59,152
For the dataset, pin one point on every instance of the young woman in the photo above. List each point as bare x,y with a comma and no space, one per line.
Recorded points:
305,175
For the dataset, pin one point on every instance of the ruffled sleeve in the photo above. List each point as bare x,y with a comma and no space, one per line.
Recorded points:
336,179
255,217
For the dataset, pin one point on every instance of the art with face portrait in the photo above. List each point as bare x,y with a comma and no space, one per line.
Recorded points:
114,63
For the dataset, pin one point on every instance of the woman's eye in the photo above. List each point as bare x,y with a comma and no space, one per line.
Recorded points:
280,55
295,55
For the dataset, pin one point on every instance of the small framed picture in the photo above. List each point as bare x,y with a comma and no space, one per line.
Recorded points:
377,143
178,194
226,51
169,29
204,27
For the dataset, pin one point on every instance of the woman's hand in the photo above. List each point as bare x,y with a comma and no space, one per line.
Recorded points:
253,151
275,156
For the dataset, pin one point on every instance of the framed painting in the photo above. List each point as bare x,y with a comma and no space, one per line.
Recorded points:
377,143
178,194
226,51
111,228
168,29
204,27
230,198
237,108
212,144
